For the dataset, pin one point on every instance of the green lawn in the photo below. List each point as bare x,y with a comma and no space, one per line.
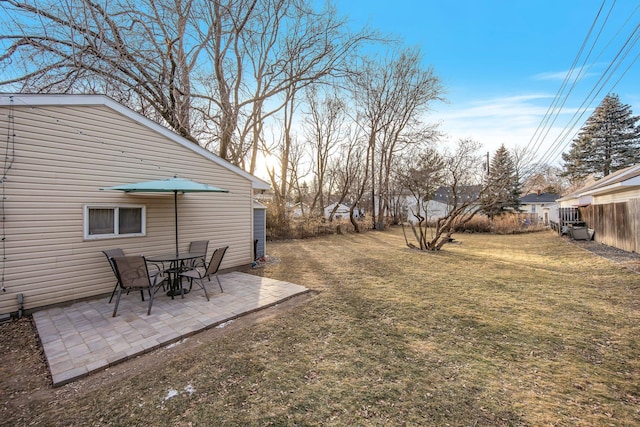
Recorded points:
498,330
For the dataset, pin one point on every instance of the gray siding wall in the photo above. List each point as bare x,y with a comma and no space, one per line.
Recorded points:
260,230
62,156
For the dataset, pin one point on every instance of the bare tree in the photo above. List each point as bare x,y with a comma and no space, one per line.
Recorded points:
346,171
138,52
264,52
545,178
392,97
324,129
281,182
211,70
227,20
459,176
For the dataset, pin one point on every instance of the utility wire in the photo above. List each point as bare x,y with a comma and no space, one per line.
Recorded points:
560,142
554,109
557,108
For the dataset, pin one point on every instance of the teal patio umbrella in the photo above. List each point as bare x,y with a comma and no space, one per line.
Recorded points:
173,185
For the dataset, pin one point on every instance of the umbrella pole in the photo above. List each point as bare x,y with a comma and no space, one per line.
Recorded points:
175,208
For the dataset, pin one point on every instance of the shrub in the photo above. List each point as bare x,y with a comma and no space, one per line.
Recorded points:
284,227
477,224
513,224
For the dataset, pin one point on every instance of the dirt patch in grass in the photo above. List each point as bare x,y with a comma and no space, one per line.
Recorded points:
498,330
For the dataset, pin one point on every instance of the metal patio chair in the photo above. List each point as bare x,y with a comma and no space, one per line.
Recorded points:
199,247
110,253
132,273
199,274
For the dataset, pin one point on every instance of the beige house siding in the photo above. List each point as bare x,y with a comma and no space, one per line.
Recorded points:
62,156
621,196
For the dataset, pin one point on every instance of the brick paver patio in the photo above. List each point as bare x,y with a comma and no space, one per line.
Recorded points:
84,338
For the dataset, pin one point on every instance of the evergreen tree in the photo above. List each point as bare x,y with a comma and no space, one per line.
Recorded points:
576,165
608,141
503,186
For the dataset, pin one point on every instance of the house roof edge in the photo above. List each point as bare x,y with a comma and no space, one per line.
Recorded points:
21,99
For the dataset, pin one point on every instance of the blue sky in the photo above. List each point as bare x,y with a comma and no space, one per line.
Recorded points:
503,62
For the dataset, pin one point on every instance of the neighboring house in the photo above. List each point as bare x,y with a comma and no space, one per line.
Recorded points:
611,207
342,211
298,210
443,202
541,205
60,151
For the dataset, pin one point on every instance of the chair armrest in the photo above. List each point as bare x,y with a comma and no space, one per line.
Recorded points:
193,273
154,272
198,263
157,268
157,279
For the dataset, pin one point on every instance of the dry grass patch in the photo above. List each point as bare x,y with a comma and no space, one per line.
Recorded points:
500,330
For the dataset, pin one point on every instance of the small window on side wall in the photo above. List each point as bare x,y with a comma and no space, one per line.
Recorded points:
103,222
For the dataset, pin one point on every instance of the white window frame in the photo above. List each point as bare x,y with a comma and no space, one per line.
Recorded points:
116,234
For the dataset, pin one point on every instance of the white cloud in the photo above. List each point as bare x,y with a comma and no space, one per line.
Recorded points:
557,75
512,121
577,74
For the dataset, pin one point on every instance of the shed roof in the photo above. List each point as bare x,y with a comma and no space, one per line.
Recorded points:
105,101
535,198
465,193
340,206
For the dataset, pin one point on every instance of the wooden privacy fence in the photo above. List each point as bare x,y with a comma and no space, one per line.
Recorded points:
615,224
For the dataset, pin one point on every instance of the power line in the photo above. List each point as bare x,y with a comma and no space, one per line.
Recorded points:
560,142
554,109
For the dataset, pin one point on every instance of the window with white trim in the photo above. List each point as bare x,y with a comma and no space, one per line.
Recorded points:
108,221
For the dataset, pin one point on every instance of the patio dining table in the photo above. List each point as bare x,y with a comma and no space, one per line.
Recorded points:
175,261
